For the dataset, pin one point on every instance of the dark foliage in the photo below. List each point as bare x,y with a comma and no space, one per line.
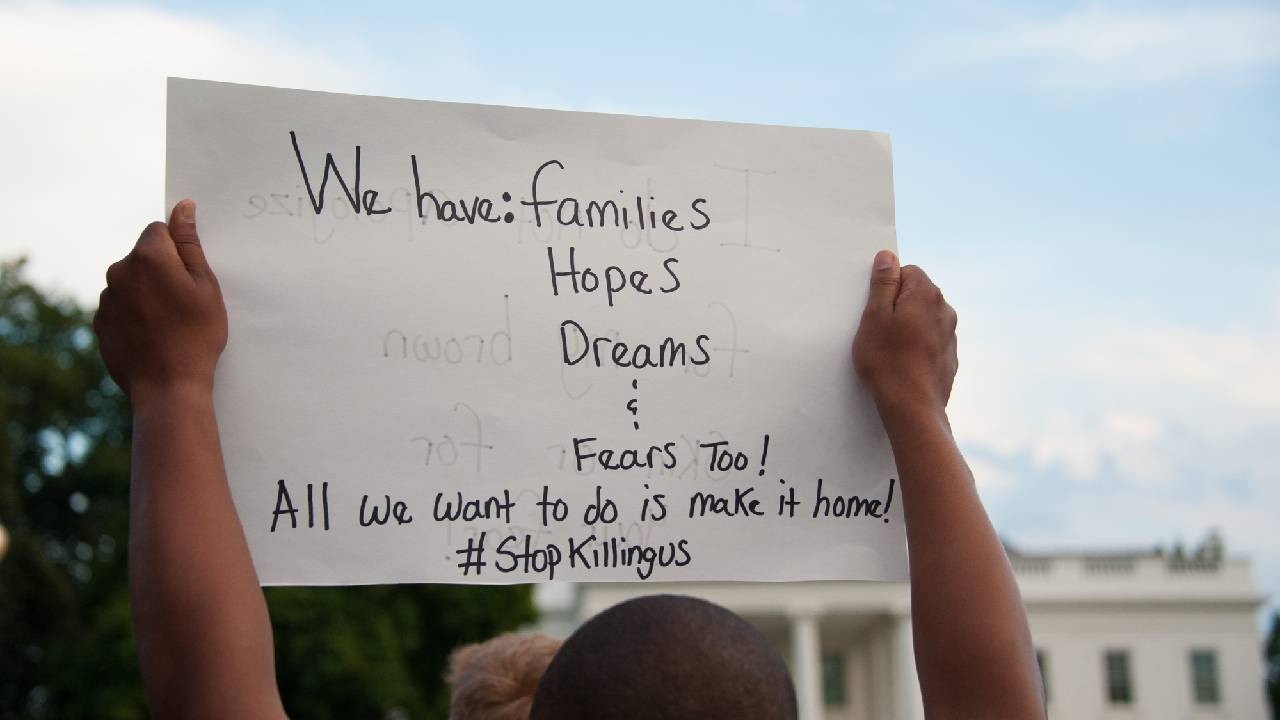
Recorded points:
66,649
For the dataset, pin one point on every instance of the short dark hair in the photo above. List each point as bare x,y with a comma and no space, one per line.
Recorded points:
666,657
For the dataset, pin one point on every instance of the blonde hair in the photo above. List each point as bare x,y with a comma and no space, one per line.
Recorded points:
496,680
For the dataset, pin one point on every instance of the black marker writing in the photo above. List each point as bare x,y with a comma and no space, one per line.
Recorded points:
616,280
284,506
366,201
852,506
573,212
668,353
398,511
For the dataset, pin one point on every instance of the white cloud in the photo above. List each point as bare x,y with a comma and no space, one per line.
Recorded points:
1120,48
84,122
1148,403
991,477
1108,428
1241,367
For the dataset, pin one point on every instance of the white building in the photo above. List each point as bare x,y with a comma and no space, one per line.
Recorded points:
1120,635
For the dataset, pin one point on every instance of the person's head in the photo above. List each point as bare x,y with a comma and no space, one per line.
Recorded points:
495,680
666,657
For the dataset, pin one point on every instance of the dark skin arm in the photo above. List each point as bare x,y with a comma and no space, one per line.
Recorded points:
974,654
199,616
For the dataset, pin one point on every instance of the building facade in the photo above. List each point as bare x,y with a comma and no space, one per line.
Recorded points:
1119,635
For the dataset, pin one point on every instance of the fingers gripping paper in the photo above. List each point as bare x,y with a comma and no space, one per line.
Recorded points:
489,345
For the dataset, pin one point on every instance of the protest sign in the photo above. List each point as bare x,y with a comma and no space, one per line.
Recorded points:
487,344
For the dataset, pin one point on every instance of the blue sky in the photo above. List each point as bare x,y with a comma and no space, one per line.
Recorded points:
1095,186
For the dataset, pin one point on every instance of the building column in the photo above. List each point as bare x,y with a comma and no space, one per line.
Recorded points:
806,665
860,682
882,673
907,703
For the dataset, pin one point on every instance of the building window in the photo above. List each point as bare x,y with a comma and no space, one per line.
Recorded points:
1042,661
833,676
1204,676
1119,677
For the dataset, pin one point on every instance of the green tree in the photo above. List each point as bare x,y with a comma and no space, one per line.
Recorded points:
64,459
66,647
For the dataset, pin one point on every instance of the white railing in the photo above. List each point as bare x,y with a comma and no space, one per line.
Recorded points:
1113,566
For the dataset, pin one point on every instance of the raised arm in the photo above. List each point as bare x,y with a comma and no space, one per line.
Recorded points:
200,620
973,650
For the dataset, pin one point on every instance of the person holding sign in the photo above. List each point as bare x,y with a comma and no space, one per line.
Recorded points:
201,622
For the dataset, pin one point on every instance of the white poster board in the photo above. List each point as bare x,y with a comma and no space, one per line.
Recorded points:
513,345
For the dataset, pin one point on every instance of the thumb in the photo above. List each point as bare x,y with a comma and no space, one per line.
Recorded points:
886,280
182,228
